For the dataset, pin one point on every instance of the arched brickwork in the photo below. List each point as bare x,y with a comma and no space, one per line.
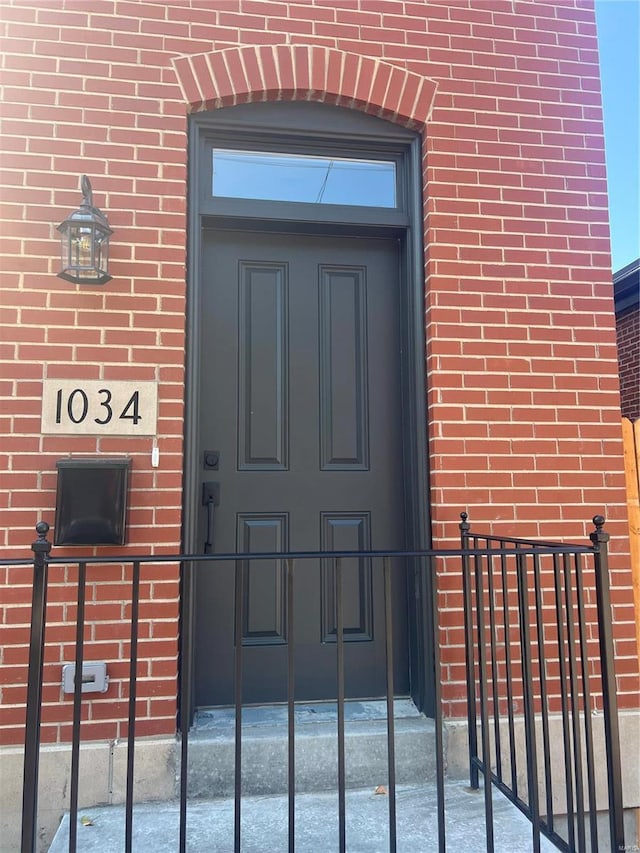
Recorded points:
239,75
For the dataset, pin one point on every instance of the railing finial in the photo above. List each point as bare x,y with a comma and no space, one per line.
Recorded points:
599,536
464,524
42,544
42,528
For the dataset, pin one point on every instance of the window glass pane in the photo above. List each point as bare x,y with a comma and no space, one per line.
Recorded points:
291,177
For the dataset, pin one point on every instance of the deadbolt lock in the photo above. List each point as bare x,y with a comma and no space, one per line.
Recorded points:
211,459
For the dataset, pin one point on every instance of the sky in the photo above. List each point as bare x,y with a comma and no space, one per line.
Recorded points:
619,46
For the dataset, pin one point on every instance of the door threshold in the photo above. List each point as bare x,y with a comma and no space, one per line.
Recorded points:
305,712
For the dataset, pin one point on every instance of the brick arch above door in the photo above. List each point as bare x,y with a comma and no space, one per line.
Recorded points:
239,75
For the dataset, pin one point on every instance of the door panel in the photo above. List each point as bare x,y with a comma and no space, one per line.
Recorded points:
344,412
301,395
264,581
263,379
347,532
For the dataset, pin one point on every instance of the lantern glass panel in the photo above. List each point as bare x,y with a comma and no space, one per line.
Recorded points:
81,246
101,250
64,249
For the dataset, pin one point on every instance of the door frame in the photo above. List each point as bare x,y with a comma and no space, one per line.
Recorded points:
313,128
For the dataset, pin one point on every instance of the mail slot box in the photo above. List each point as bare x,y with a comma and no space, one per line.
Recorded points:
91,501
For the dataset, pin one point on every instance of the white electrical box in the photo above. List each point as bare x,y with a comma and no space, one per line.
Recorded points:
94,677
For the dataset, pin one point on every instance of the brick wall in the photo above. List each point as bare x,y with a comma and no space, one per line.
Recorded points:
524,418
628,336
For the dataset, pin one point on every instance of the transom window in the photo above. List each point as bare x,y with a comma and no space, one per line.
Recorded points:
304,178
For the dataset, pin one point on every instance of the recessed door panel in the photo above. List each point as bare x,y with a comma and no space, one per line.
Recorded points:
264,581
347,532
344,409
263,366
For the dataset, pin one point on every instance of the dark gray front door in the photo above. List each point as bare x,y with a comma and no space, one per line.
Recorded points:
300,396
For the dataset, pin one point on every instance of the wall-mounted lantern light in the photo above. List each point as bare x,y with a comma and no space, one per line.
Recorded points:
85,242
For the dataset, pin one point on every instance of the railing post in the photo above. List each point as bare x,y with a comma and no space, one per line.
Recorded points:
188,570
41,548
528,699
599,539
474,780
437,693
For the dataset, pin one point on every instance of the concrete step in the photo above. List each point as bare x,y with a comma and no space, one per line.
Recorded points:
265,749
265,824
265,818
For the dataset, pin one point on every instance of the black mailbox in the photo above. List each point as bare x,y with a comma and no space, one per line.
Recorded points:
91,501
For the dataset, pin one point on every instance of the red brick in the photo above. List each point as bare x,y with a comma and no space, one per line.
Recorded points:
522,409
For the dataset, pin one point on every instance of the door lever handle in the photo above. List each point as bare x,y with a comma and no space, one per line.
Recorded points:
210,499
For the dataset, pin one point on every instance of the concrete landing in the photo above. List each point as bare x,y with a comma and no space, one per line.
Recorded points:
265,824
221,720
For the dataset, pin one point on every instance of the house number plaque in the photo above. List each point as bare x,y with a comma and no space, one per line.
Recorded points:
99,407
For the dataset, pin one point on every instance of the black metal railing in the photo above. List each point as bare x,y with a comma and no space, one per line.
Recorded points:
504,595
539,676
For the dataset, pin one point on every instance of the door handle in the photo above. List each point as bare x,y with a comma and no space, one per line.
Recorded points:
210,499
